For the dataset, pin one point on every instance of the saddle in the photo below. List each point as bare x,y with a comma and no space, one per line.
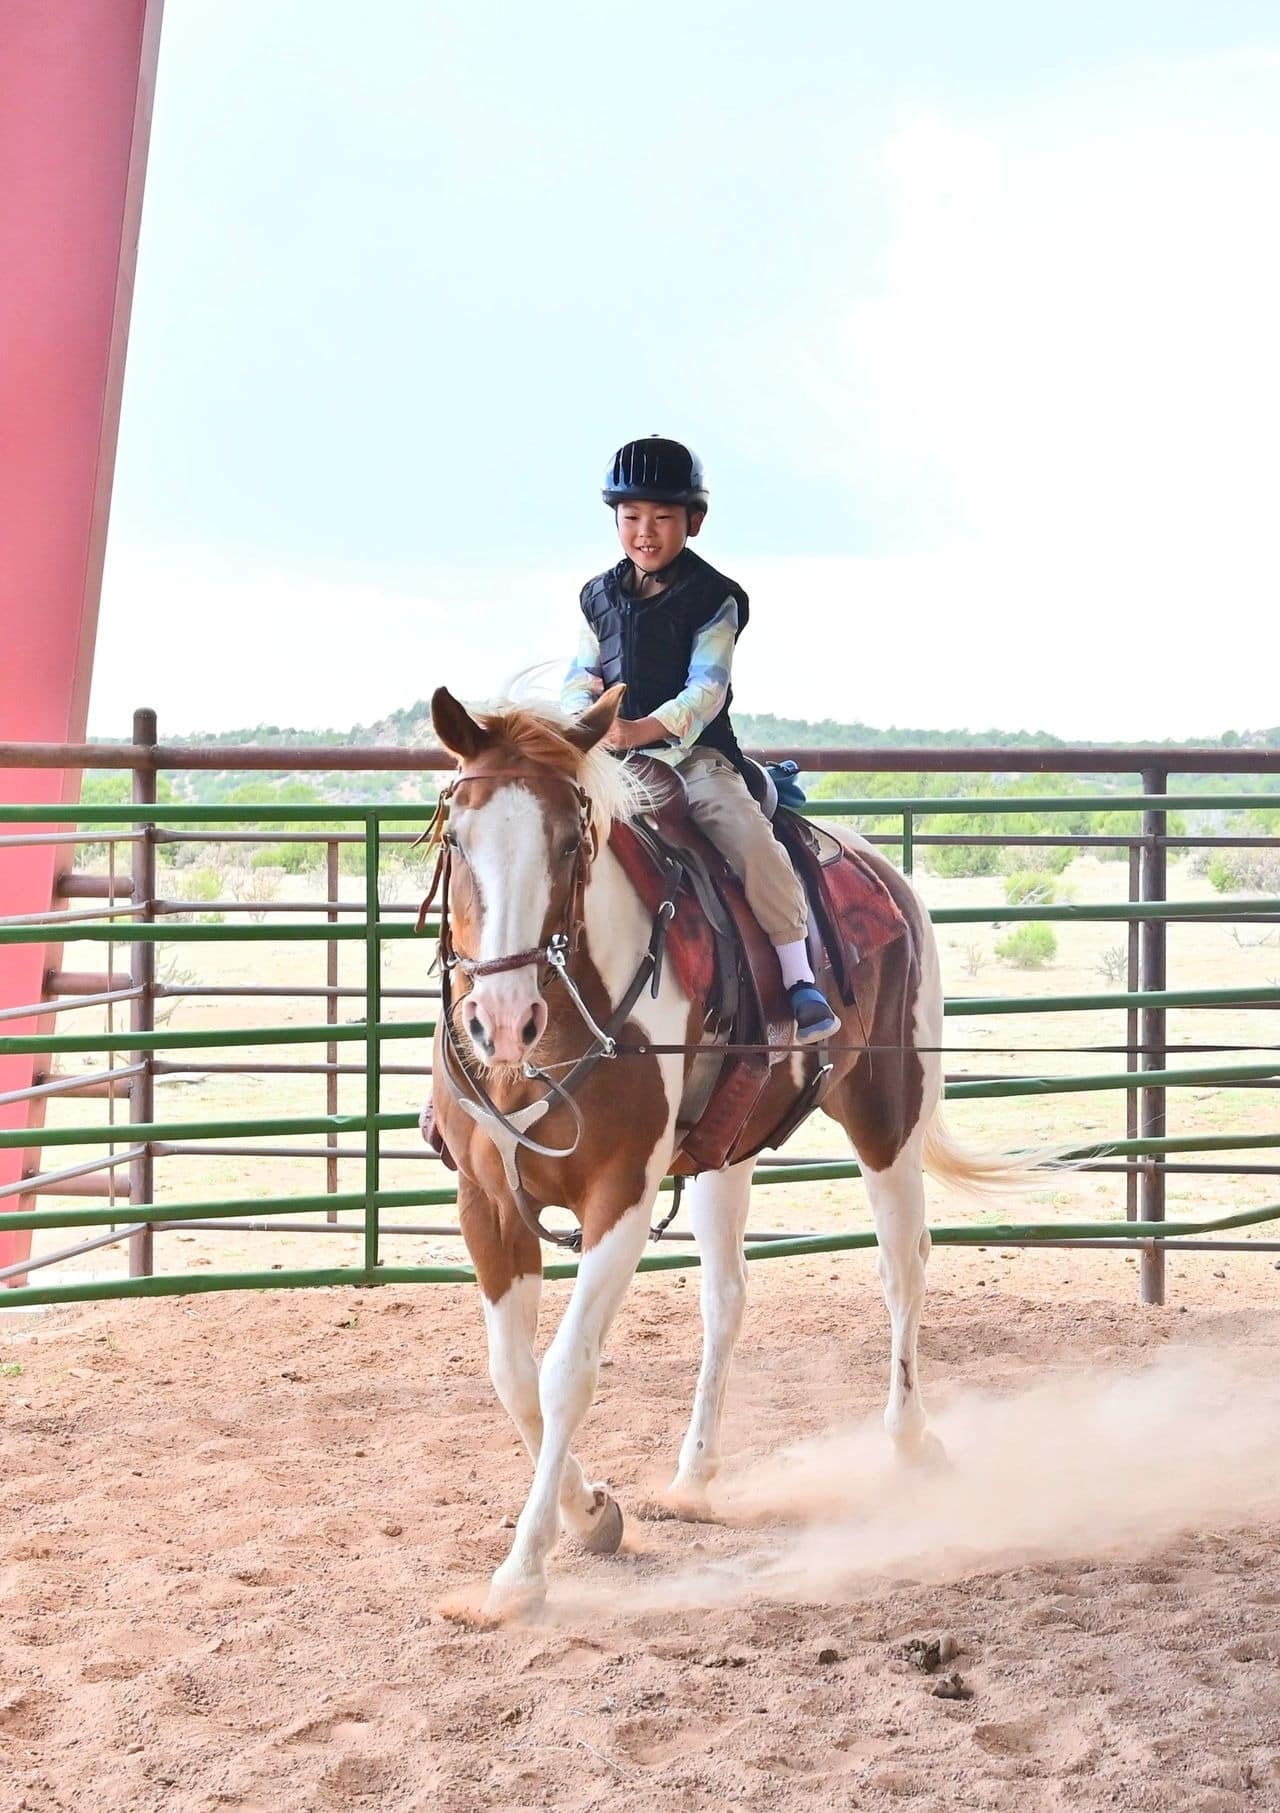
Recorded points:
727,964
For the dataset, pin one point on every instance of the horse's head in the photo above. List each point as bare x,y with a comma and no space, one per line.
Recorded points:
520,836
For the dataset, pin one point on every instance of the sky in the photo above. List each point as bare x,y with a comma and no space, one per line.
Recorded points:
969,311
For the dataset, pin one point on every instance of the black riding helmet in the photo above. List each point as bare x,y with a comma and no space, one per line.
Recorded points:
658,471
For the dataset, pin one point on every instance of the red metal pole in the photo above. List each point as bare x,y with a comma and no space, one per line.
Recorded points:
77,79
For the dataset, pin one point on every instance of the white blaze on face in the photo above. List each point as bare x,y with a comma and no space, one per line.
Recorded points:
505,843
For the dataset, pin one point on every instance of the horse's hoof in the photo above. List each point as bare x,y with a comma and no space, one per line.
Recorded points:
925,1453
604,1536
481,1607
515,1604
504,1602
687,1501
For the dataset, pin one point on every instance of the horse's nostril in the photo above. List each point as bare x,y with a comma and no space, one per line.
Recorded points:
529,1031
474,1027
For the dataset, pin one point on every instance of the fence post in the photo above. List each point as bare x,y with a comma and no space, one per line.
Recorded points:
373,1014
1152,974
908,843
331,1018
1133,1031
142,974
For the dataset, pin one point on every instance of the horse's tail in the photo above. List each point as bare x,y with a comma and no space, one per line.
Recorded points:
987,1173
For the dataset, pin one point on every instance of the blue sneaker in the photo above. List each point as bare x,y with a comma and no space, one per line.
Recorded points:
814,1019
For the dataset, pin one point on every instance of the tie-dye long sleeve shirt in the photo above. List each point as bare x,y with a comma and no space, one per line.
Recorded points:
699,700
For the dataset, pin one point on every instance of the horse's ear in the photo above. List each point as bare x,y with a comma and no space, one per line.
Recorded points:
596,720
455,726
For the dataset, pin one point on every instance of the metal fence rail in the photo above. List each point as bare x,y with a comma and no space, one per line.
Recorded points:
133,913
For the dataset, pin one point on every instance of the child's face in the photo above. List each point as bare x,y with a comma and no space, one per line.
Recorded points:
653,534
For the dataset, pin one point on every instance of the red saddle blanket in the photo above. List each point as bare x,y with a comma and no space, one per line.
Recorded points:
855,914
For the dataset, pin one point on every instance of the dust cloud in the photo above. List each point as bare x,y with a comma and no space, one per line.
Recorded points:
1084,1462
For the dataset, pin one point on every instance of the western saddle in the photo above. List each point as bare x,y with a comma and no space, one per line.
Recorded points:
727,964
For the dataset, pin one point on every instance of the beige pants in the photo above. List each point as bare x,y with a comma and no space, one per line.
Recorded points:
724,810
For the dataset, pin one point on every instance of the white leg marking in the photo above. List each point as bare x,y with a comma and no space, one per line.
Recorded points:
719,1202
512,1325
566,1387
897,1201
898,1204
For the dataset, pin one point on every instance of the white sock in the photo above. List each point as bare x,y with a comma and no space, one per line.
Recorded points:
794,958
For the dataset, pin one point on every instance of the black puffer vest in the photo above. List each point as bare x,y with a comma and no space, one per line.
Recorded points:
648,642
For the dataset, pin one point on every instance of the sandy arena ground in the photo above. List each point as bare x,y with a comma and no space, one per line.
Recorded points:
227,1523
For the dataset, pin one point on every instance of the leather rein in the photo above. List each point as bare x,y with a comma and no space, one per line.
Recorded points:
508,1130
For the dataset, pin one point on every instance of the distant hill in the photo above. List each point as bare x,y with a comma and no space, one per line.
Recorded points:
411,729
762,730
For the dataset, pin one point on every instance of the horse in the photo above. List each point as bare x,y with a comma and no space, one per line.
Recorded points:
550,1019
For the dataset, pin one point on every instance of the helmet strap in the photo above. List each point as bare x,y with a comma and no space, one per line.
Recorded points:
661,577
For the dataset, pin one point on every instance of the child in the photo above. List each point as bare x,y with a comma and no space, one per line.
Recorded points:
665,622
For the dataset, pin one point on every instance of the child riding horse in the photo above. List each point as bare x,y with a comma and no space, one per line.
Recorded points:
536,899
664,624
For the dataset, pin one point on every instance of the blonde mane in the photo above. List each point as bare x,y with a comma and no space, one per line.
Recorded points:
616,789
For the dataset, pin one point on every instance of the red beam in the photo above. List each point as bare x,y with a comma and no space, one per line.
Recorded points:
77,78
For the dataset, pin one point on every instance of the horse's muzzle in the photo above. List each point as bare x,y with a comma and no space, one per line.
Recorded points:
504,1028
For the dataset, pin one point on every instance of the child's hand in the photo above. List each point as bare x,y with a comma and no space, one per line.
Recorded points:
629,733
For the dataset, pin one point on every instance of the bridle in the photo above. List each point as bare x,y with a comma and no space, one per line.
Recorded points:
437,836
508,1132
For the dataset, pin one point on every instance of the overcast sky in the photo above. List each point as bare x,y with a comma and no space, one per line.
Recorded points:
971,312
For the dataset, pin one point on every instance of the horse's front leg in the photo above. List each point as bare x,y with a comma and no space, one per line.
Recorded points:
719,1203
508,1261
613,1239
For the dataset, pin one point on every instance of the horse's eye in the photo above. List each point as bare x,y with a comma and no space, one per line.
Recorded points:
573,846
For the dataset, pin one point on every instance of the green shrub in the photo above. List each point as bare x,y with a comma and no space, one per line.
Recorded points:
1028,946
1047,859
1029,888
1114,824
113,788
296,859
952,860
289,858
1243,871
202,883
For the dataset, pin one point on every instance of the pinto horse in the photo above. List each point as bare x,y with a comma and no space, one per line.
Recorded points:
548,989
